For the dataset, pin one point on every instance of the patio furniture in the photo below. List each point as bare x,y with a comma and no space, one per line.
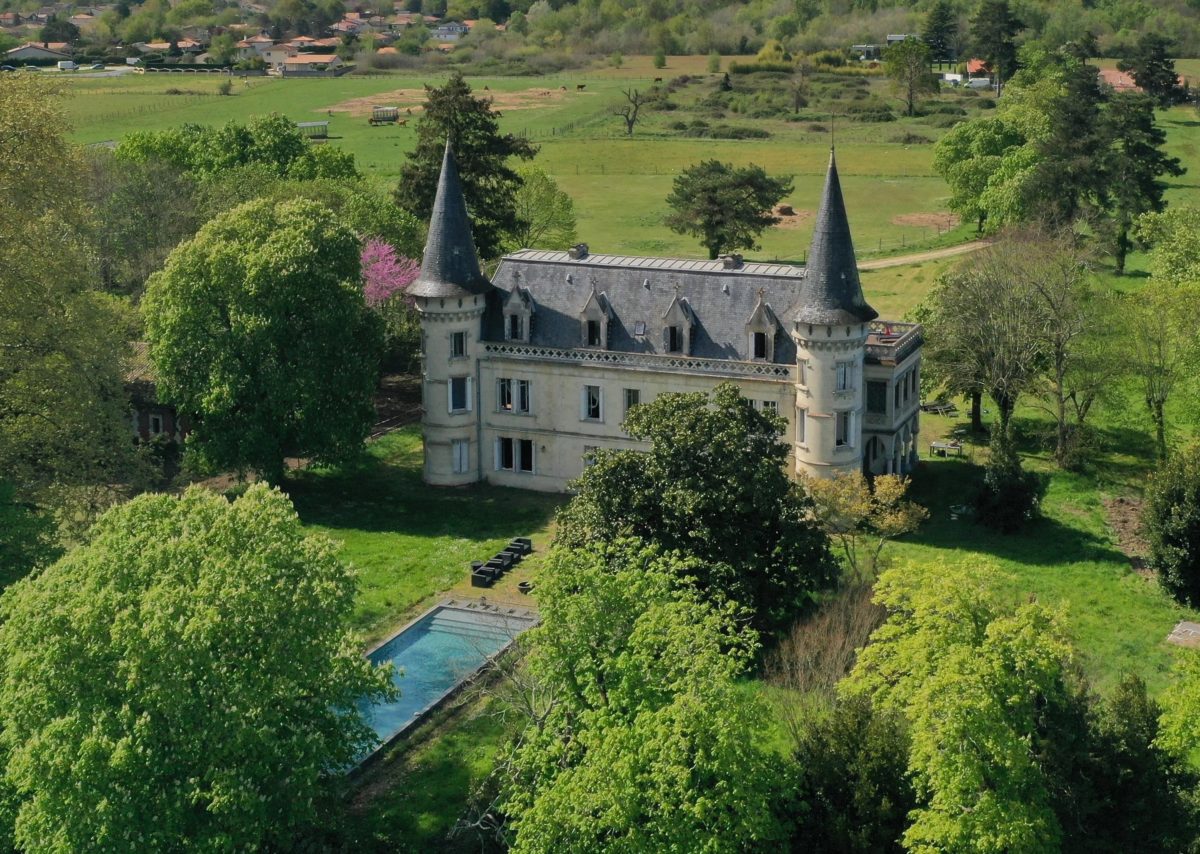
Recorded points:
525,543
945,449
479,578
525,586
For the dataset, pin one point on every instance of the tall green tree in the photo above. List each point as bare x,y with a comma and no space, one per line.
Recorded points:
1173,236
64,428
142,210
546,214
1069,179
987,692
1171,520
1160,350
1152,68
712,485
184,680
483,155
969,157
259,333
940,31
646,742
993,37
1137,162
726,207
907,64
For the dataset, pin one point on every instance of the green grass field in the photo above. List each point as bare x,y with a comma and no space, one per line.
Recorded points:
408,541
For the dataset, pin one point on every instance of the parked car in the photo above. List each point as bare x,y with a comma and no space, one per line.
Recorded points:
68,65
97,66
7,68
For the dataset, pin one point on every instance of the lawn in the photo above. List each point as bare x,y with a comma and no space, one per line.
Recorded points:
408,541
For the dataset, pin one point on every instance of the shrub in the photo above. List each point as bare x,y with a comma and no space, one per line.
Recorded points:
870,113
1172,523
943,121
1009,497
225,87
910,139
760,67
829,58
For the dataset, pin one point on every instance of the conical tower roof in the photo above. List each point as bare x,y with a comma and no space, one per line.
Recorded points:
450,267
832,294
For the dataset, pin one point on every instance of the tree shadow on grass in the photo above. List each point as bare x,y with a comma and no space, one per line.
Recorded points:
382,492
945,484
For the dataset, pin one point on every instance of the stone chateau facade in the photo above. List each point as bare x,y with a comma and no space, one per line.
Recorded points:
526,374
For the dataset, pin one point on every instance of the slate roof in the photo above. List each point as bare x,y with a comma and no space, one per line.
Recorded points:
450,265
832,293
642,290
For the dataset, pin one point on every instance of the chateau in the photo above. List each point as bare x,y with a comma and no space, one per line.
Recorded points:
524,375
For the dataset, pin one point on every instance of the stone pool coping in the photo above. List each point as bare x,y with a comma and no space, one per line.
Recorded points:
470,606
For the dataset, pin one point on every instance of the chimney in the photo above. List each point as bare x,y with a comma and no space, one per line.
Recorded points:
578,251
731,262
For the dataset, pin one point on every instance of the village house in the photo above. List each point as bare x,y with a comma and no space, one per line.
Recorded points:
276,55
34,51
309,62
148,417
526,374
451,31
10,19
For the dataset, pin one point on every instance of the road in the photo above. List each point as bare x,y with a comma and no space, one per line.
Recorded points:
918,257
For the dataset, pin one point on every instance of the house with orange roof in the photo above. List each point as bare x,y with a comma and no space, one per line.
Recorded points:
309,62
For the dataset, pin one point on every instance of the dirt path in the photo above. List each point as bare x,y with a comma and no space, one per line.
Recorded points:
918,257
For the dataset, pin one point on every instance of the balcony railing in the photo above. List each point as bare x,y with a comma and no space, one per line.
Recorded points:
647,361
891,342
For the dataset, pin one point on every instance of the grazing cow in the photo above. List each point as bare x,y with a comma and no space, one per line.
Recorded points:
409,111
658,80
402,122
579,87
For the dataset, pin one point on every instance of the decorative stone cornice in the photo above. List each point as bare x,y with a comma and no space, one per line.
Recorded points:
831,346
453,315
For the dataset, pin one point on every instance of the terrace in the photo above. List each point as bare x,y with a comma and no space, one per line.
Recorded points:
890,342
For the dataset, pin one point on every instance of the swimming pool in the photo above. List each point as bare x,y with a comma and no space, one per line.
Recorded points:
434,654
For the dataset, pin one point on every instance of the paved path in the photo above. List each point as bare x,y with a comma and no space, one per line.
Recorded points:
918,257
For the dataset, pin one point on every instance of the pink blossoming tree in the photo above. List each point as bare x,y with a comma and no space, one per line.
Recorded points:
385,273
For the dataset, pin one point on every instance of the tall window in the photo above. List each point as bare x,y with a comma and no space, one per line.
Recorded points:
516,328
460,394
461,452
593,333
592,403
504,396
506,454
844,437
514,455
458,345
674,339
876,397
633,396
760,345
843,376
523,396
801,425
771,406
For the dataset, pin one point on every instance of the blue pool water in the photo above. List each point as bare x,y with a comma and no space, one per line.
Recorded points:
432,656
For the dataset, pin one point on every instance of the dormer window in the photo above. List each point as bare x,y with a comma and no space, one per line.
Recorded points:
593,322
518,315
760,331
678,324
